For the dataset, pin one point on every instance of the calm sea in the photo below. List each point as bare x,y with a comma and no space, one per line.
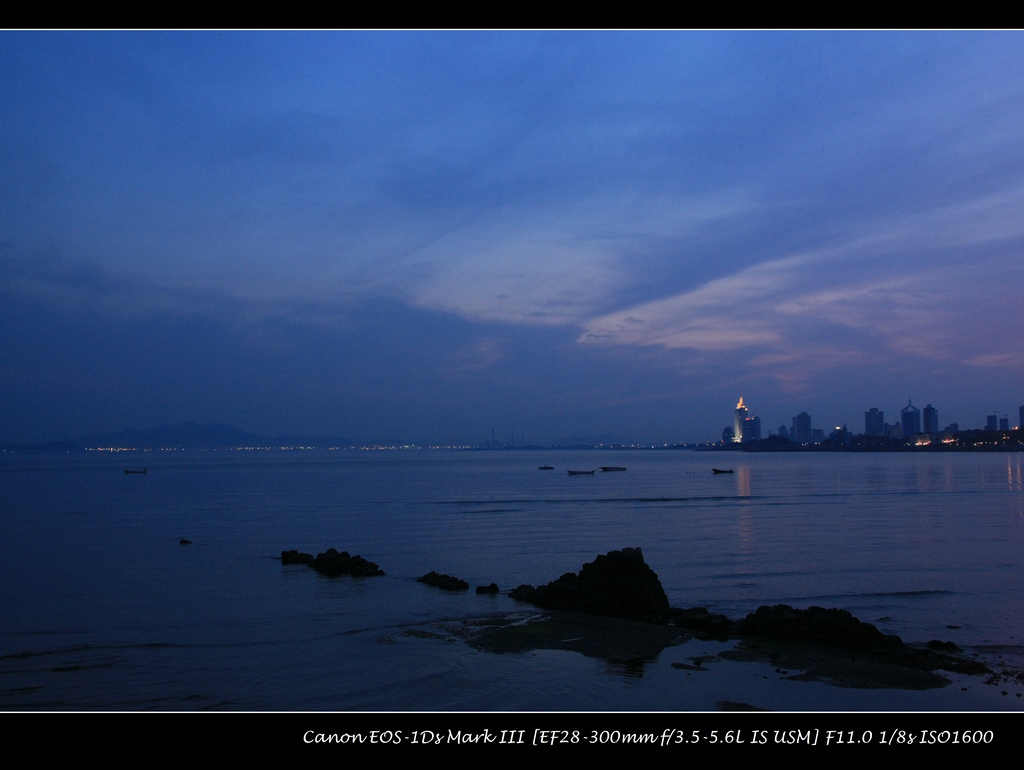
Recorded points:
102,608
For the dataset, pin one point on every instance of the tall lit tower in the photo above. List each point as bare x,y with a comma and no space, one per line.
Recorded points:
738,422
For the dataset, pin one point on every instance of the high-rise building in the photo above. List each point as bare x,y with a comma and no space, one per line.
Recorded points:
801,433
910,418
874,422
992,422
1004,423
739,418
752,429
931,419
1020,418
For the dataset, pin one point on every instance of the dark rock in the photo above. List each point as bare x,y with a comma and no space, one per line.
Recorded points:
361,567
523,593
817,625
706,624
839,629
940,646
618,584
491,589
333,563
447,582
183,541
294,557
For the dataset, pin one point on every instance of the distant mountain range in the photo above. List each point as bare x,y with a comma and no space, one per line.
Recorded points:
187,435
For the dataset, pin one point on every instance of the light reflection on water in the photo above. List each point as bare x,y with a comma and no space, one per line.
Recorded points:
103,608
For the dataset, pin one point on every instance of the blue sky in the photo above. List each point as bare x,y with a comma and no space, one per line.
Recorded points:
422,236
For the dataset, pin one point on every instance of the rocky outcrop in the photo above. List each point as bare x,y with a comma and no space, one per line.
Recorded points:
334,563
295,557
491,589
704,624
618,584
838,629
447,582
816,625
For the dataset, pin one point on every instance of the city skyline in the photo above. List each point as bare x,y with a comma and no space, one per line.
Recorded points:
745,427
912,420
423,236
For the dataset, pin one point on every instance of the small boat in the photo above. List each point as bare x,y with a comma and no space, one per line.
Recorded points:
136,470
546,468
581,473
719,470
611,468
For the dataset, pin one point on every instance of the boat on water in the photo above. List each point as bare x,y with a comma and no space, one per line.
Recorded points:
611,468
581,473
546,468
136,470
720,470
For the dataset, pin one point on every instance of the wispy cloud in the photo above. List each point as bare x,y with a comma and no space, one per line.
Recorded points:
551,264
927,287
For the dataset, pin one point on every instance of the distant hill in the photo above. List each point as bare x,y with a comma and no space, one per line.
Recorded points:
192,435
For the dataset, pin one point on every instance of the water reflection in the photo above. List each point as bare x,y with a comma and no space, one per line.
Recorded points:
743,481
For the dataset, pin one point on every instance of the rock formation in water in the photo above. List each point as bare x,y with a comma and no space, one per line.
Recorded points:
831,628
816,625
334,563
447,582
618,584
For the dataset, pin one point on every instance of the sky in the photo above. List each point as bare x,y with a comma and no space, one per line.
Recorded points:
427,236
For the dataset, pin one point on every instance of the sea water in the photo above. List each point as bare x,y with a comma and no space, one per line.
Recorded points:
103,608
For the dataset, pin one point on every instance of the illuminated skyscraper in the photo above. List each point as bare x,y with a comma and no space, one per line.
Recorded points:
738,421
